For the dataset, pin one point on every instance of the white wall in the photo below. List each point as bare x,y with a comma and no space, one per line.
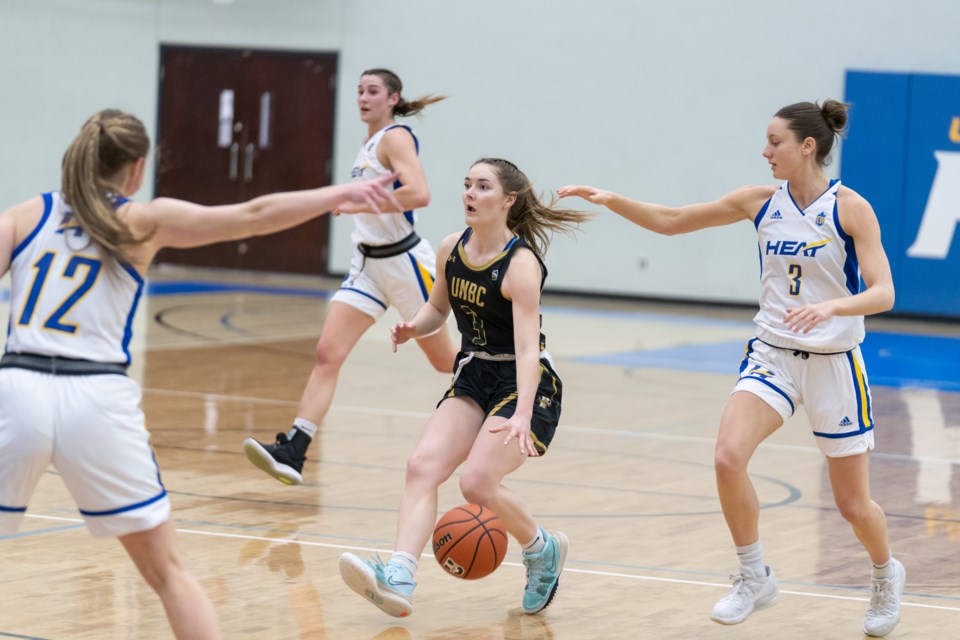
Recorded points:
666,102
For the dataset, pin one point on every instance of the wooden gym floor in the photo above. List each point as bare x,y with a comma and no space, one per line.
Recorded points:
629,479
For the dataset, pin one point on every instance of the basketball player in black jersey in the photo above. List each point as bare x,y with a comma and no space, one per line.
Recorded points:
504,386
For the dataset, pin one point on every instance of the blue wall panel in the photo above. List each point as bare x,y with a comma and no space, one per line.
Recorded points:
904,128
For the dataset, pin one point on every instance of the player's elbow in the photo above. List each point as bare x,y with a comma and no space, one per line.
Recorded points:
420,199
889,298
884,297
670,223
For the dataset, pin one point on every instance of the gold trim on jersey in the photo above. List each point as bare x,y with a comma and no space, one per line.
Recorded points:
486,265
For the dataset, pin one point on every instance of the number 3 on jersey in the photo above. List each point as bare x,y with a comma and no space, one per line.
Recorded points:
796,273
43,266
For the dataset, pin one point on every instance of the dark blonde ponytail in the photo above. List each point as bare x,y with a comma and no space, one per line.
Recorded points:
107,142
393,84
529,217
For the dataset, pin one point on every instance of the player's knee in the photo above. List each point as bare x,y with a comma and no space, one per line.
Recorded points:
854,509
161,572
328,358
728,461
424,470
477,488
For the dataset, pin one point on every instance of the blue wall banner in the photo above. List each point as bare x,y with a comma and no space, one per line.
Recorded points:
902,153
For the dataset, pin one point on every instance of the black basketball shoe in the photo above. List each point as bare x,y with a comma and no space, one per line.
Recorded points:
282,459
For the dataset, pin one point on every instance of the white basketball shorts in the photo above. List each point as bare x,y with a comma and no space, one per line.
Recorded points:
833,390
404,281
92,430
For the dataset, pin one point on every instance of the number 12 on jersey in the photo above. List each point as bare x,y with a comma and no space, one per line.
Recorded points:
42,266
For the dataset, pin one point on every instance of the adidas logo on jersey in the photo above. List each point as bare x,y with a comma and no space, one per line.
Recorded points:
845,422
776,215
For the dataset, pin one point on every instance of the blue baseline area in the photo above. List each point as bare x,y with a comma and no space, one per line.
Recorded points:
892,359
187,287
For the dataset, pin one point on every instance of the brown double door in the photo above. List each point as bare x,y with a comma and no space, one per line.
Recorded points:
238,123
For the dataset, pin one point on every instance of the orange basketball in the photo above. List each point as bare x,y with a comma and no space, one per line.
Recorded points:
469,542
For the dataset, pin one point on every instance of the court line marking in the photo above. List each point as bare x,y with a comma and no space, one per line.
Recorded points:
606,574
566,427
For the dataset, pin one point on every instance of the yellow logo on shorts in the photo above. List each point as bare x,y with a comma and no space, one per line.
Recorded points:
544,402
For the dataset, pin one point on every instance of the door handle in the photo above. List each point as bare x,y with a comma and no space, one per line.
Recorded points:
248,152
234,160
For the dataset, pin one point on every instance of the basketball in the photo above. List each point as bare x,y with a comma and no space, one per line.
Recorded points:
469,542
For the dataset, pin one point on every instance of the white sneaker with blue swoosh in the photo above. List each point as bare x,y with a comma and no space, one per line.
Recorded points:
388,586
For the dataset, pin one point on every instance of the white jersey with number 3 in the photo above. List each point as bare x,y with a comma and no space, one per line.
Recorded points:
67,298
805,258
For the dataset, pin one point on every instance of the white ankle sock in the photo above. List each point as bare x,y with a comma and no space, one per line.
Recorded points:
883,571
405,560
751,559
536,545
305,426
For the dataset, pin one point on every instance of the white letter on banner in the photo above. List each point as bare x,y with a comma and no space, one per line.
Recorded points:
942,213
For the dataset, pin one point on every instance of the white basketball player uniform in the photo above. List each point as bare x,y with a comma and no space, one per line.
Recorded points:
391,265
65,397
805,258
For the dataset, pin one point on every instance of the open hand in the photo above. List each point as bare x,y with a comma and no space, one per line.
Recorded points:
590,194
803,319
373,196
400,333
518,428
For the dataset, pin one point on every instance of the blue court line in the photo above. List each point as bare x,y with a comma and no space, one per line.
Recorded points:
191,287
892,359
6,634
187,287
37,532
644,316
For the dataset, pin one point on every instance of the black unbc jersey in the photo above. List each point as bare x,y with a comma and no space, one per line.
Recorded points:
484,316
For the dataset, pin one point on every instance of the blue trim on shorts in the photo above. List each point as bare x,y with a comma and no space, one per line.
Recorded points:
113,512
364,293
846,434
416,272
775,388
4,509
746,355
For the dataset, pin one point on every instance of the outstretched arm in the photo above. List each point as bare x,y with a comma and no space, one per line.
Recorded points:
175,223
742,204
431,316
